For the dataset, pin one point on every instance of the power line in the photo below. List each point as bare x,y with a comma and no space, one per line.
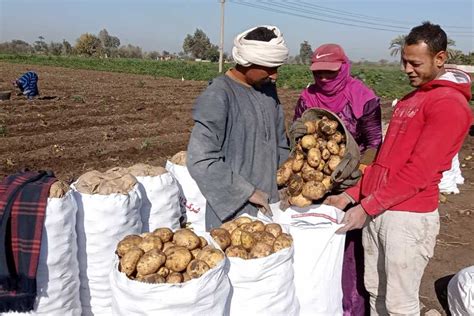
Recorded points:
307,17
292,7
310,5
289,7
285,8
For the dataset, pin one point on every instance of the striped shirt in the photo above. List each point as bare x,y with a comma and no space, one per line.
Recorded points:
28,84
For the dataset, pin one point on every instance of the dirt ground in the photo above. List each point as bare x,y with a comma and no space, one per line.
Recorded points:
97,120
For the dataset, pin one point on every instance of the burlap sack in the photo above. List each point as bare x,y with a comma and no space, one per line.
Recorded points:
95,182
58,189
179,158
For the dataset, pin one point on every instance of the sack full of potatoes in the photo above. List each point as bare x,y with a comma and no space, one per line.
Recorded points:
320,161
170,273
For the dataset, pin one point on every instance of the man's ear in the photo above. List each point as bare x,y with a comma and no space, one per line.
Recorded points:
440,58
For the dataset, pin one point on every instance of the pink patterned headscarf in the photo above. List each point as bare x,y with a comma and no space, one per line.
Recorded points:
333,95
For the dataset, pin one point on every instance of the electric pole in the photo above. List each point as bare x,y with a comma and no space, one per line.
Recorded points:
221,50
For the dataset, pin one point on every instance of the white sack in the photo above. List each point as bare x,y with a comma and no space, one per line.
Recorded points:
451,178
461,293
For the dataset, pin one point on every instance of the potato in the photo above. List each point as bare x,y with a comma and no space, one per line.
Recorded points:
260,250
127,243
242,220
310,127
174,278
229,226
237,251
333,162
342,150
211,256
297,165
321,165
151,278
333,147
283,174
257,226
295,185
167,245
186,238
321,144
164,233
264,237
314,157
308,173
221,236
246,227
150,262
128,262
186,277
194,252
328,127
177,258
337,137
313,190
274,229
299,201
196,268
298,155
325,154
308,142
281,242
327,171
235,237
327,182
247,240
150,242
163,271
203,242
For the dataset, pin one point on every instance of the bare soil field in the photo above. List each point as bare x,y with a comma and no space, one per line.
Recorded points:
88,120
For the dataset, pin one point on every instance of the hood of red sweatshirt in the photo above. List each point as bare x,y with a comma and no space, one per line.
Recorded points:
453,78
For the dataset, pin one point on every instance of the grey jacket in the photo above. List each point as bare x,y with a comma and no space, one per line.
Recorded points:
237,143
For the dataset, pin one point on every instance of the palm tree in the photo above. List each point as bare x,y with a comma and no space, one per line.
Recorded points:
396,46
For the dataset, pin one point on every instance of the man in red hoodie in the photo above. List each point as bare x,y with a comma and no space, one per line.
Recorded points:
397,197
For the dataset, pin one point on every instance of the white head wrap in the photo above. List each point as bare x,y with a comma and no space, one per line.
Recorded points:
269,54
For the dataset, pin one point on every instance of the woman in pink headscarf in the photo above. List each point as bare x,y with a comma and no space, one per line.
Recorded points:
359,108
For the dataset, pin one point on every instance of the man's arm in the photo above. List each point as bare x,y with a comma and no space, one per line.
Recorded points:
283,144
443,133
224,190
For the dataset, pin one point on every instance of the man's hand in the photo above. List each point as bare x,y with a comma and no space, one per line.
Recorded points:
297,130
354,218
260,199
340,201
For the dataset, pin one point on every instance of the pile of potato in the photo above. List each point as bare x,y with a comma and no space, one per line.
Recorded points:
250,239
307,173
166,257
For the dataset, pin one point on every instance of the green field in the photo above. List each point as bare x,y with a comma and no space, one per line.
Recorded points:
387,81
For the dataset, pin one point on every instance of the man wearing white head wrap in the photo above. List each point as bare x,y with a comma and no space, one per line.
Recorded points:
239,140
269,54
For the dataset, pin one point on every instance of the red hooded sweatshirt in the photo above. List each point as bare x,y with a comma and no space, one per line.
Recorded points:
427,129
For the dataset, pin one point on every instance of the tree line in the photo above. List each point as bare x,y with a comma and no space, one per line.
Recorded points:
195,46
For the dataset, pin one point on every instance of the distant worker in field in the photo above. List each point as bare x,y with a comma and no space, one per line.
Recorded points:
397,197
334,89
28,84
239,140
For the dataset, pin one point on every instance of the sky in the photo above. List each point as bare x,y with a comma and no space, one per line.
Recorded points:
163,24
